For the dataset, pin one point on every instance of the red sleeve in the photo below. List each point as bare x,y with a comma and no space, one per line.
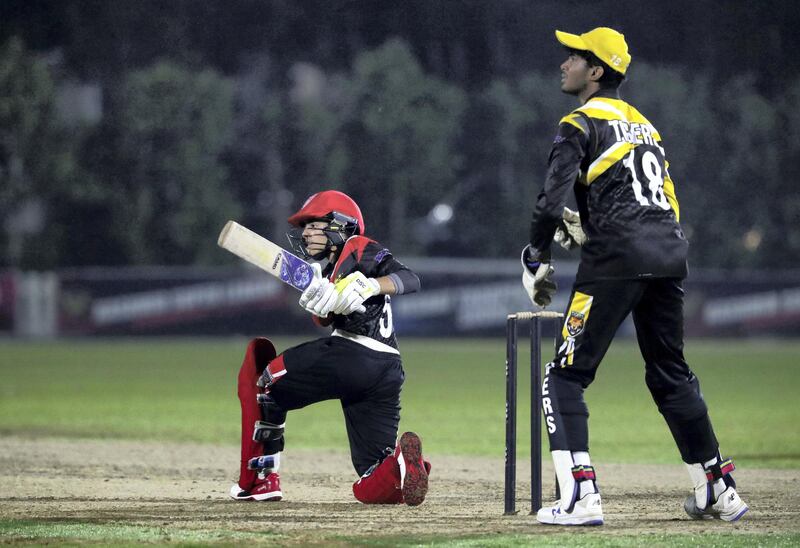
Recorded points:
354,246
321,322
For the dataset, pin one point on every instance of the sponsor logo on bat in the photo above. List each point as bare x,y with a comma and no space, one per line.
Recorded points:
302,276
295,271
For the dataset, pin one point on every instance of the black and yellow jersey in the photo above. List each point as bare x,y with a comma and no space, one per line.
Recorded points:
613,158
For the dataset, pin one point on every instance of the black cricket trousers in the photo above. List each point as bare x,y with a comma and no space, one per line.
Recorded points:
595,311
367,382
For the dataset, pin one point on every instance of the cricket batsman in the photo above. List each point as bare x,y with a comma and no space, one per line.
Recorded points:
358,364
633,260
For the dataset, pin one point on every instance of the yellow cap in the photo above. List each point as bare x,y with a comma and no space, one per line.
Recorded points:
607,44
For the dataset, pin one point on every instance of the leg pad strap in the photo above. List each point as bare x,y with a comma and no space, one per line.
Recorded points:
583,473
269,429
719,470
266,431
262,462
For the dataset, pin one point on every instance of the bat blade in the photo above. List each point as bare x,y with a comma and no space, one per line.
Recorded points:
266,255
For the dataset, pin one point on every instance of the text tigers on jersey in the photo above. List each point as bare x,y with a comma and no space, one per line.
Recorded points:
633,132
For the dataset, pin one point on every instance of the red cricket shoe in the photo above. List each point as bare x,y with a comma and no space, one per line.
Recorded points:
266,489
413,472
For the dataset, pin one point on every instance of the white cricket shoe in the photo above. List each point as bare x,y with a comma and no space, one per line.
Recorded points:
587,511
728,507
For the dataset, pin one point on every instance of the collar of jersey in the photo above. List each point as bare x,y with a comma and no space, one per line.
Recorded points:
604,94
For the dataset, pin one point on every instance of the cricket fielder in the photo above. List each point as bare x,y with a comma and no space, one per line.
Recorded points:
633,260
358,364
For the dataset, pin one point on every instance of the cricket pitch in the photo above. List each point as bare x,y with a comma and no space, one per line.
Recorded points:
183,487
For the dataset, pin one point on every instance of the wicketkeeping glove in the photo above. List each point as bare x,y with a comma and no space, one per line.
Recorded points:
569,233
353,291
320,295
537,276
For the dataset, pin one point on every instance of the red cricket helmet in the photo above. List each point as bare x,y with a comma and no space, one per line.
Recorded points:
325,205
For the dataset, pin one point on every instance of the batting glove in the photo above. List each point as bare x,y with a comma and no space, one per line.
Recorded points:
569,233
353,291
320,295
537,275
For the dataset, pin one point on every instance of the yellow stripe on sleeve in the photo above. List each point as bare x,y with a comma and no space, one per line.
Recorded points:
572,119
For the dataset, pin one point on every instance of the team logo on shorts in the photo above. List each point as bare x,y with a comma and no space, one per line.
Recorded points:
575,323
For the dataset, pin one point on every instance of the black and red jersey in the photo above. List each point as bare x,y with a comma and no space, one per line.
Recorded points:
361,254
613,158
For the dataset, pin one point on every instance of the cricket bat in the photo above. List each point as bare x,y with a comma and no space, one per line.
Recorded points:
266,255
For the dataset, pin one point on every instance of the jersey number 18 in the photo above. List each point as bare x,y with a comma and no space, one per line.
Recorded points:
650,168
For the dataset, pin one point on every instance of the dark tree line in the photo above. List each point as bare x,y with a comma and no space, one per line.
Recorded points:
212,110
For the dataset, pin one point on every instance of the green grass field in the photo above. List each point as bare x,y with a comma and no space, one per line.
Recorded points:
153,389
186,390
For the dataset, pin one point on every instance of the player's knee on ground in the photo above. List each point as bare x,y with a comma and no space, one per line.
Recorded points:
380,484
